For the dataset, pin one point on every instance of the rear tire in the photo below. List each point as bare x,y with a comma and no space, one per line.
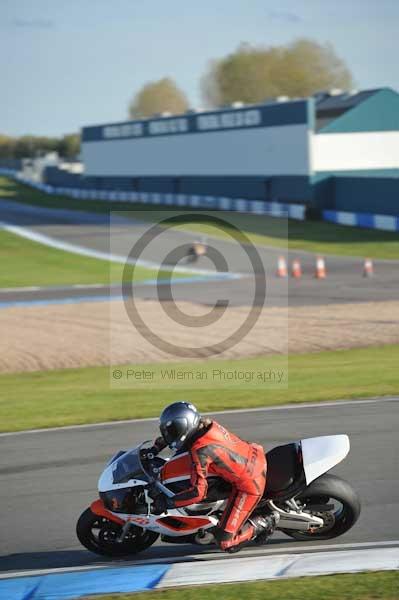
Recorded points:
99,534
325,490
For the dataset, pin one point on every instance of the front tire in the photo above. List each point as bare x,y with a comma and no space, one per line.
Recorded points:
329,489
99,535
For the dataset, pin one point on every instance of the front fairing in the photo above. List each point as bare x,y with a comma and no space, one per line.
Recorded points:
124,471
122,490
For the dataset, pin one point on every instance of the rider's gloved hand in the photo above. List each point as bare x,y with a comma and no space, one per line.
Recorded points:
156,448
159,445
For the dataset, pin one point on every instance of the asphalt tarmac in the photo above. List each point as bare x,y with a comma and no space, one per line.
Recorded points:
344,282
48,478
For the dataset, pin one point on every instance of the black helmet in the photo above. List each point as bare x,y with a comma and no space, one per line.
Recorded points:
178,422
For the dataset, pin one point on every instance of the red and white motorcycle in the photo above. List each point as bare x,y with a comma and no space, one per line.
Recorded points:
312,503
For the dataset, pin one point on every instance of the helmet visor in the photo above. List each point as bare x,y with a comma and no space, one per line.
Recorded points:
173,431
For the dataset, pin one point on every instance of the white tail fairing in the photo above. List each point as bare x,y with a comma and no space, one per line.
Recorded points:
320,454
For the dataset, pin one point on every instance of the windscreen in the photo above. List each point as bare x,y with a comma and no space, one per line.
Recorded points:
128,467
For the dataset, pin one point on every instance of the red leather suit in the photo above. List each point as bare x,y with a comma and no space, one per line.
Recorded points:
216,451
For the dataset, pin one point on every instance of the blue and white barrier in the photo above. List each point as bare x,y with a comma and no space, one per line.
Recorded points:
369,221
81,581
274,209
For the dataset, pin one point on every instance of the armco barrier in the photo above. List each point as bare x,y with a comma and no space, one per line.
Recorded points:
275,209
369,221
79,582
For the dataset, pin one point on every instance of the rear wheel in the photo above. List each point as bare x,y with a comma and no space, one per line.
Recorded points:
100,535
341,513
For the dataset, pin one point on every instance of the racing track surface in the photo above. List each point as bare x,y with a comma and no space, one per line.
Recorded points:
48,478
344,283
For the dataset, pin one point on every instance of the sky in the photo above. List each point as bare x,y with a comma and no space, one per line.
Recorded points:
69,63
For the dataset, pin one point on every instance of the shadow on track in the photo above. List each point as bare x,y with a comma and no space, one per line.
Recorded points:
79,558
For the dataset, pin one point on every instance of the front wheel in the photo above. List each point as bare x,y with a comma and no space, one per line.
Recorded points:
100,535
341,514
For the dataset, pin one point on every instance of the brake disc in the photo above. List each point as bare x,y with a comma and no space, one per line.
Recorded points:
328,522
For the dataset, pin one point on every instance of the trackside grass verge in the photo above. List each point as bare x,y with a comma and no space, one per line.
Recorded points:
26,263
319,237
381,585
310,236
76,396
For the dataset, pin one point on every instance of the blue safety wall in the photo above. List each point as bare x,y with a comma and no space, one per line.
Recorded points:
275,209
368,194
279,188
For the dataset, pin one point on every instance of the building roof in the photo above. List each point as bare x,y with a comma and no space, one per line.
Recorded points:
331,105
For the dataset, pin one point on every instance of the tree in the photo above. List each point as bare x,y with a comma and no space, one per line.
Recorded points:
69,145
254,74
7,146
31,146
157,97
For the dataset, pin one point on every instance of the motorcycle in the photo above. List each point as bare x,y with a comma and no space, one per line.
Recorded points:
312,503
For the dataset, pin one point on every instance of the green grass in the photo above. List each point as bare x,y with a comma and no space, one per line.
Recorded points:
75,396
318,237
26,263
18,192
311,236
381,585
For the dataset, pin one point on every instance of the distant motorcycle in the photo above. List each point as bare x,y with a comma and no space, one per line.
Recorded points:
195,251
313,505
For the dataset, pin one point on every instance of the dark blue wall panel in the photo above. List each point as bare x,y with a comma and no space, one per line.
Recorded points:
291,189
231,187
375,195
11,163
378,195
60,177
284,188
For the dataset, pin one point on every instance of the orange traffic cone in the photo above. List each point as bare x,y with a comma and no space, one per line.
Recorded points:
368,268
320,272
282,267
296,269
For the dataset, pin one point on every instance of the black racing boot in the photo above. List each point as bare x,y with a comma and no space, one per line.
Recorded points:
264,526
241,539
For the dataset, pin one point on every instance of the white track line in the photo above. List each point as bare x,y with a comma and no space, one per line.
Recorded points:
219,412
83,251
54,288
217,556
29,288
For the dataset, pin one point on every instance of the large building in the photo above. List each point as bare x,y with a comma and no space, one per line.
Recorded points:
335,150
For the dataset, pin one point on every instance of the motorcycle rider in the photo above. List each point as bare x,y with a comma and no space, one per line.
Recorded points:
215,451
